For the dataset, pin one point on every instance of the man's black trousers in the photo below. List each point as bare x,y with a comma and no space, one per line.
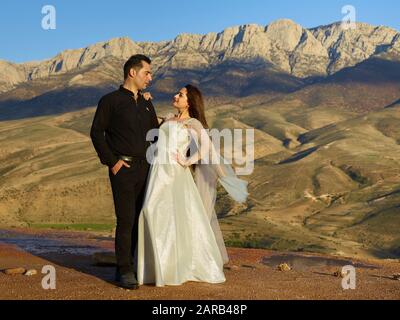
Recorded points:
128,188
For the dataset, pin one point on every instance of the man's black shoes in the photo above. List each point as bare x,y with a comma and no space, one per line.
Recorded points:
127,280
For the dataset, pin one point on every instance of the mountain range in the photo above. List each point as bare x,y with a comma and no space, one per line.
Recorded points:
250,60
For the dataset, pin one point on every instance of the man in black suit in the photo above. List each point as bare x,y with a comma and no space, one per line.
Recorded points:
118,133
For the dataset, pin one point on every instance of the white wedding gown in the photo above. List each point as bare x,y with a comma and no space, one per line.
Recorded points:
177,241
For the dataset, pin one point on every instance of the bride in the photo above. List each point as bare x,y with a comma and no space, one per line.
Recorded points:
179,237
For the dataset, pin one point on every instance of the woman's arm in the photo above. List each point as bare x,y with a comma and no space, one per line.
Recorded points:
201,140
160,120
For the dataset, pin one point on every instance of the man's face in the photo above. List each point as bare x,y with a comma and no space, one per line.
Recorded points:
143,77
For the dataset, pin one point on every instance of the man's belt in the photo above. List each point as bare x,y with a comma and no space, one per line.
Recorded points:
131,158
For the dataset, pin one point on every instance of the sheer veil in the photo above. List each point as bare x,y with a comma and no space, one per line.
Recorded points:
212,168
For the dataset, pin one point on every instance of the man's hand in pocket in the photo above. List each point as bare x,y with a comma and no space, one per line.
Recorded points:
118,166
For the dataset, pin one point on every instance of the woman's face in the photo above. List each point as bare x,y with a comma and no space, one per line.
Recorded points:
180,100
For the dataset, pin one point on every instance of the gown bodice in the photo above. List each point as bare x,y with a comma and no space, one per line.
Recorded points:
173,136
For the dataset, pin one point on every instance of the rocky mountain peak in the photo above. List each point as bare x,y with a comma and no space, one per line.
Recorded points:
285,33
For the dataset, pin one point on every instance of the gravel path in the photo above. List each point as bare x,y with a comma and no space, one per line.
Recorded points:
247,276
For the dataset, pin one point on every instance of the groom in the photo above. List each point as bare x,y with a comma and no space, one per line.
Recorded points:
118,133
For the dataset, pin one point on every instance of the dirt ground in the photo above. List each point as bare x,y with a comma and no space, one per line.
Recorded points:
248,278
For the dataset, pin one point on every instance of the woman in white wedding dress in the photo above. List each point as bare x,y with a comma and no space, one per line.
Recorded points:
179,237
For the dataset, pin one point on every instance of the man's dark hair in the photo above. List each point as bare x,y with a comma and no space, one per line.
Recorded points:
135,62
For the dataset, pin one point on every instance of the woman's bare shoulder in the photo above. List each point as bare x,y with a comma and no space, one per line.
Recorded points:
195,123
170,116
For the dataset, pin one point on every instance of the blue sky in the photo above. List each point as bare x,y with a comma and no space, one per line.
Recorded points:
84,22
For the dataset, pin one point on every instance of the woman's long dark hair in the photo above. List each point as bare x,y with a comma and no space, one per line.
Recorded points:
196,104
